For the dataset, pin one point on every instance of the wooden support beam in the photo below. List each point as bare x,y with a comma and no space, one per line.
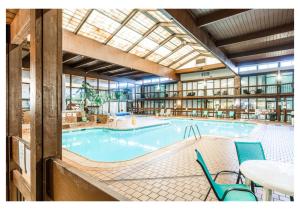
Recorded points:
68,57
101,67
73,43
184,18
217,16
45,94
81,72
84,62
256,35
14,110
266,60
20,26
261,51
22,185
202,68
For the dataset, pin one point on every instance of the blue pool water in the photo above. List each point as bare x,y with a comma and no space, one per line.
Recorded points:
107,145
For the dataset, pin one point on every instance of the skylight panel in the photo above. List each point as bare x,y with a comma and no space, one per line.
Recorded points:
93,32
177,30
159,34
159,16
102,22
116,14
159,54
125,37
173,43
184,60
145,46
72,18
140,23
176,55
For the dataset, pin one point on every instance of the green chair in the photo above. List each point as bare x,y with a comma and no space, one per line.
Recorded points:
205,113
231,114
226,192
219,114
249,151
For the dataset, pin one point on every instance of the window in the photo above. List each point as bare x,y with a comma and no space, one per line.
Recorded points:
286,63
268,65
247,68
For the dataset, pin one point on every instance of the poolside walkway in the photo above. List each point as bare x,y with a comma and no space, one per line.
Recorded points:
177,176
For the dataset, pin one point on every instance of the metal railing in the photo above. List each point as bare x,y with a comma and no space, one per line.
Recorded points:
191,128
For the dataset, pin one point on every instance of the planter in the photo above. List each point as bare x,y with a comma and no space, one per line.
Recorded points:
101,118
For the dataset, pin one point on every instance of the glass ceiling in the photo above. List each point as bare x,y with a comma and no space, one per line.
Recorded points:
146,33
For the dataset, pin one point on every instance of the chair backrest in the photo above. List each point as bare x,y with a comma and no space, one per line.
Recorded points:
211,181
168,111
162,111
249,151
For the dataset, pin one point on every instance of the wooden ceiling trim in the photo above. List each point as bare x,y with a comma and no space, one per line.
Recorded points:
217,16
83,62
256,35
101,67
266,60
261,51
69,57
183,18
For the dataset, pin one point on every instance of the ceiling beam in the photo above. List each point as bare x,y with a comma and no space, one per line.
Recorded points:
74,44
129,74
87,15
68,57
201,68
217,16
83,62
101,67
81,72
19,27
256,35
261,51
266,60
184,18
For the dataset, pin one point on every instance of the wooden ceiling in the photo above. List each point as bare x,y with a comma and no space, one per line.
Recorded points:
90,65
246,35
10,15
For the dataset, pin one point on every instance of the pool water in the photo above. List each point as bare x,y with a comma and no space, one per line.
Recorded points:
106,145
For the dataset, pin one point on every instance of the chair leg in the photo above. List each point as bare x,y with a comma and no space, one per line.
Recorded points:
252,187
238,178
291,198
207,194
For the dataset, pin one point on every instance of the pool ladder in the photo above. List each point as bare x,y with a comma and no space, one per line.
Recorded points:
192,128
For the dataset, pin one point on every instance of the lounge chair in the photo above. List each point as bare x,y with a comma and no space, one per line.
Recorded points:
162,112
194,113
249,151
231,114
219,114
205,113
168,112
226,192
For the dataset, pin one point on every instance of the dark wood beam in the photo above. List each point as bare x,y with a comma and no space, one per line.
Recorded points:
101,67
256,35
128,71
266,60
261,51
68,57
217,16
81,72
83,62
131,73
184,18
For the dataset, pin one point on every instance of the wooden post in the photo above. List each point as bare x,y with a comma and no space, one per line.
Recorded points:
45,94
14,109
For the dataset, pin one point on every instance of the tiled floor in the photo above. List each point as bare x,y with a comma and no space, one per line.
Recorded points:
177,176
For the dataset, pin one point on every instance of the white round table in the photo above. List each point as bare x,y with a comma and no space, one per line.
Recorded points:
272,175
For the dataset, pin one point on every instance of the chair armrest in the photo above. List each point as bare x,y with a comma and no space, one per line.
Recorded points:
237,189
226,172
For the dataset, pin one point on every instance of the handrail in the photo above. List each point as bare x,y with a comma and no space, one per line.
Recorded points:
191,128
